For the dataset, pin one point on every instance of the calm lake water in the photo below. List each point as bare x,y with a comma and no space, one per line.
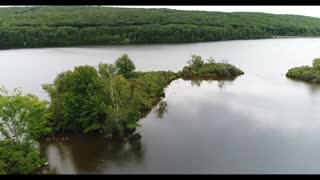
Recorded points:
261,122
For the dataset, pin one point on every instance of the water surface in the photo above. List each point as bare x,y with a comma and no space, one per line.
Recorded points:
261,122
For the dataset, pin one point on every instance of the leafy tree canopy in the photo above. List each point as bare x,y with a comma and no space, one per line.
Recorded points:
125,66
22,116
73,25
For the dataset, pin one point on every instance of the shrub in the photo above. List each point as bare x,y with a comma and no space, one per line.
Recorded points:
21,158
306,73
212,69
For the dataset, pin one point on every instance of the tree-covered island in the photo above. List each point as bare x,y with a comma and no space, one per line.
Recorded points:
198,68
306,73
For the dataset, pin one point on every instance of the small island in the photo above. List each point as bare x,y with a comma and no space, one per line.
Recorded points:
306,73
211,69
108,99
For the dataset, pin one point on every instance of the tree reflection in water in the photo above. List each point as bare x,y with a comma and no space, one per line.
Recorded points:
198,81
162,109
314,88
91,154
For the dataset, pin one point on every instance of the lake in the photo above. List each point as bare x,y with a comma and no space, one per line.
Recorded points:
261,122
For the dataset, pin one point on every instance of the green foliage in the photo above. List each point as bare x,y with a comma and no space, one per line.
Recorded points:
211,61
306,73
110,99
198,68
188,72
149,87
316,64
22,116
74,25
122,106
23,119
125,66
195,62
2,168
23,158
76,100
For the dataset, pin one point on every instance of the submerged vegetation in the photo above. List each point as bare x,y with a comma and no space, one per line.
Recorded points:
70,25
306,73
211,69
108,99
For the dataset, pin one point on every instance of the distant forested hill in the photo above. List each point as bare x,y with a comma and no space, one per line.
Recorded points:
66,26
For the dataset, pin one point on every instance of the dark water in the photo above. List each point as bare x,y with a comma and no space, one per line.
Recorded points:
261,122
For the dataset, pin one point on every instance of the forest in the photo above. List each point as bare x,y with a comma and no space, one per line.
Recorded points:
43,26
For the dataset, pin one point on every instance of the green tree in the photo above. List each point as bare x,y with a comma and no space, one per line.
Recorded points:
211,60
22,116
23,119
77,100
316,63
23,158
125,66
122,106
195,62
2,168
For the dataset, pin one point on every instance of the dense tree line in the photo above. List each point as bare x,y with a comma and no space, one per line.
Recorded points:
66,26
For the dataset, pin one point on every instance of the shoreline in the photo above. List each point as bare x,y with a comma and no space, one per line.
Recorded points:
92,45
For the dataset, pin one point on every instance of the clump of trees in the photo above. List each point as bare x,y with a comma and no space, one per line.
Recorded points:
23,120
306,73
109,99
198,68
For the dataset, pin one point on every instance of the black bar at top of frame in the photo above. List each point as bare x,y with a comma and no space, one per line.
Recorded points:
159,2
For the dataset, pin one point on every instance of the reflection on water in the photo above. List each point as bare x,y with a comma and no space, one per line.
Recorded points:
228,130
314,88
71,154
196,81
161,109
262,122
221,83
74,154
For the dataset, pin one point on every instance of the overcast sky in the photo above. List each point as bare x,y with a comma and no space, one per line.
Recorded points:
298,10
